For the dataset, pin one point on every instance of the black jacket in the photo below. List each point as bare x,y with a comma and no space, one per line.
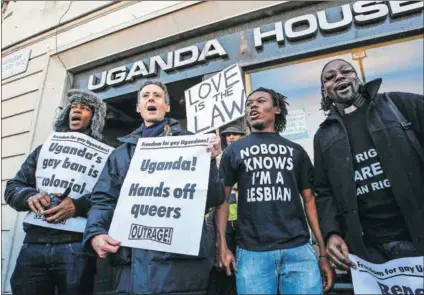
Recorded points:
146,271
334,183
22,186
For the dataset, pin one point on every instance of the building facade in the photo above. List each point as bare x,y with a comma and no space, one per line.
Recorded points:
110,48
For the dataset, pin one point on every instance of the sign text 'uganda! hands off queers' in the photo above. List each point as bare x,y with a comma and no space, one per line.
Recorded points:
162,201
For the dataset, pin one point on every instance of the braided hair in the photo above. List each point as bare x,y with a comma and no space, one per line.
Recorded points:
327,103
279,101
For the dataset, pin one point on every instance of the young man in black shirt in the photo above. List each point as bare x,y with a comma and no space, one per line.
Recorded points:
369,169
274,255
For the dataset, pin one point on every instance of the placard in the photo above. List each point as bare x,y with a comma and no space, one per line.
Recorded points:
68,159
162,201
216,101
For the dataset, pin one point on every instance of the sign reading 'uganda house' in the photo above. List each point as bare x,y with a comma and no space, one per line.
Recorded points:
216,101
162,201
68,159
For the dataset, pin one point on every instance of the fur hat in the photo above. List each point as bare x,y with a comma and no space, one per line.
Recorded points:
61,123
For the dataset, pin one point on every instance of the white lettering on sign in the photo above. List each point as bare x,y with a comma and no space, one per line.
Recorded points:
294,29
361,12
182,57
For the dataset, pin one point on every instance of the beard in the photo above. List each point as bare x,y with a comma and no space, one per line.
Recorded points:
258,125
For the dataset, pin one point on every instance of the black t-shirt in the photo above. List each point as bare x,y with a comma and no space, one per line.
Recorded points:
380,215
270,171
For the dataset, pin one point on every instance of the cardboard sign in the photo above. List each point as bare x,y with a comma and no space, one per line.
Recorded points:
162,201
68,159
398,276
216,101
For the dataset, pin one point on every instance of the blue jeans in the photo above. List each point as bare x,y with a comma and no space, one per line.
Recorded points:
286,271
40,268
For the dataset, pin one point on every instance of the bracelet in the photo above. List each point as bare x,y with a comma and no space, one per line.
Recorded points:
322,256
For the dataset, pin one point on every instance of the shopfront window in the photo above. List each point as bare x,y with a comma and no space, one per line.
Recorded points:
399,64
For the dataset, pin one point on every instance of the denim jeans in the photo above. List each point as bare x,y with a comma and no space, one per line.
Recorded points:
286,271
40,268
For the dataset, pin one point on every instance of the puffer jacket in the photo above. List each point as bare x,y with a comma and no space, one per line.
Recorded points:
145,271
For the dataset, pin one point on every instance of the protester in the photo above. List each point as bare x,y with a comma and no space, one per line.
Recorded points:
274,255
369,169
52,258
146,271
220,283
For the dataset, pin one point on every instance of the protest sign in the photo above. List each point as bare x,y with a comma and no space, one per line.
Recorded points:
398,276
68,159
216,101
162,202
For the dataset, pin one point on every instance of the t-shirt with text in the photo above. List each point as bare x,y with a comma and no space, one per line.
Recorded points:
379,213
270,171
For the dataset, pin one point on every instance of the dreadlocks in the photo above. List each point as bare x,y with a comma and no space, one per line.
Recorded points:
279,101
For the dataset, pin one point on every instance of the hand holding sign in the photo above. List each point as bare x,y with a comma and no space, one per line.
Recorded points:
163,196
69,161
63,211
104,244
338,252
37,202
214,146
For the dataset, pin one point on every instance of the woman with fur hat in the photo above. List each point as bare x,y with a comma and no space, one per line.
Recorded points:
52,258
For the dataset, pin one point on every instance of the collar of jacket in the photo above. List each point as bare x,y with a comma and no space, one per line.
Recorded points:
369,90
170,129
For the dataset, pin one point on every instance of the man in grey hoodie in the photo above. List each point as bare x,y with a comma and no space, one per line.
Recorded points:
52,258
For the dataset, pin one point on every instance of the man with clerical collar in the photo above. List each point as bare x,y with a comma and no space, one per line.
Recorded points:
369,169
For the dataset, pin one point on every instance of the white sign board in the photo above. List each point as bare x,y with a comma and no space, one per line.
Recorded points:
216,101
162,202
14,64
68,159
398,276
296,125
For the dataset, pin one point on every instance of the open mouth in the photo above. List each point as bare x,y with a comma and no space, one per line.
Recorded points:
342,86
254,115
151,108
75,119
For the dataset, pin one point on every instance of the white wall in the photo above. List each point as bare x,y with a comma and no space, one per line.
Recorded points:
27,18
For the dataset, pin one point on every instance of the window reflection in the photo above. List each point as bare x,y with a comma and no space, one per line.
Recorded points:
399,64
